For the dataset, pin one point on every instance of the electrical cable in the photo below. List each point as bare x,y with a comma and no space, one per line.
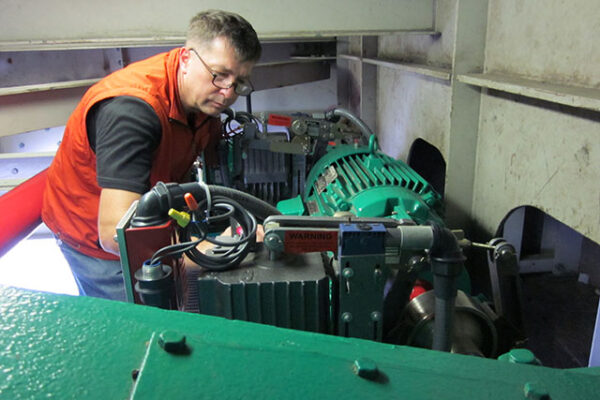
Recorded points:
204,220
204,186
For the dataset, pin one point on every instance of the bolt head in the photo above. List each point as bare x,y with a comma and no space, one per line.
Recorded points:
347,317
534,392
366,368
378,273
375,316
173,342
521,356
273,242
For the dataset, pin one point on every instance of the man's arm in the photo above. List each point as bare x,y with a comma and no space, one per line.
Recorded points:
114,203
123,132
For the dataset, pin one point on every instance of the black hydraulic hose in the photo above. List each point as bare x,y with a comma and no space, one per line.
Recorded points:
446,264
257,207
341,112
153,206
214,204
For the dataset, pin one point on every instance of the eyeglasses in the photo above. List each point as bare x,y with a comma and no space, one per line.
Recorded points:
243,87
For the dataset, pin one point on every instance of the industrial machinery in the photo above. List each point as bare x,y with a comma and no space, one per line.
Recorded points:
356,247
396,276
269,157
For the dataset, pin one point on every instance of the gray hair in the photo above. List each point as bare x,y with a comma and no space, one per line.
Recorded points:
210,24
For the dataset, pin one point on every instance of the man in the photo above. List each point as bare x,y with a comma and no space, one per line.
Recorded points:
145,123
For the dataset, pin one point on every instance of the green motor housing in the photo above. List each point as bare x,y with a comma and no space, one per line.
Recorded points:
367,183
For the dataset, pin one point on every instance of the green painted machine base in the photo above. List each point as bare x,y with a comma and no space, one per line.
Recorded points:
57,346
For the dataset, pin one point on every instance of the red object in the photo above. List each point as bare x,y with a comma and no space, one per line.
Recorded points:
280,120
142,243
190,201
20,211
419,288
306,241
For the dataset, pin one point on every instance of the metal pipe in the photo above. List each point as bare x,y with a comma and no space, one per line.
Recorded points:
341,112
446,264
444,313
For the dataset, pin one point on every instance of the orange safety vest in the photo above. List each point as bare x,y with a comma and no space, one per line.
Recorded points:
72,195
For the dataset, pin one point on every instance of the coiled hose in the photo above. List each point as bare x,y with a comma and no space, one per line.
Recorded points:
215,205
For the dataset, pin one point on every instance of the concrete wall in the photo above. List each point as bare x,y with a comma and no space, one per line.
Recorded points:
409,105
528,151
535,152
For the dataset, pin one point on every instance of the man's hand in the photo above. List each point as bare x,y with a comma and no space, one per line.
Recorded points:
206,245
260,233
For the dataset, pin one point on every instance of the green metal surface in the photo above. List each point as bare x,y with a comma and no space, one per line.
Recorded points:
368,183
127,278
293,206
56,346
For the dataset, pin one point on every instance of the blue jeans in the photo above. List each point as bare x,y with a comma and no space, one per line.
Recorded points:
95,277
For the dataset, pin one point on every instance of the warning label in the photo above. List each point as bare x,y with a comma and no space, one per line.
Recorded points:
280,120
306,241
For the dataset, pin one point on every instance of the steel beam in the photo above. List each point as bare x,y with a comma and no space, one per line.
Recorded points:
118,23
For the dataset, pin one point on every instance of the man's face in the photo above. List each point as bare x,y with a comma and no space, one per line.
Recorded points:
196,89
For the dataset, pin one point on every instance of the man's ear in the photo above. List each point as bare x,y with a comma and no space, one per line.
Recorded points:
184,58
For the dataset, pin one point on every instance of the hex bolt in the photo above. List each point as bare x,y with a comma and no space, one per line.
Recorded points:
377,273
347,273
364,227
274,243
415,263
173,342
522,356
376,316
366,368
534,392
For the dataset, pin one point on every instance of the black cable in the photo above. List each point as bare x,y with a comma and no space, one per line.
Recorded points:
237,250
249,104
174,250
204,221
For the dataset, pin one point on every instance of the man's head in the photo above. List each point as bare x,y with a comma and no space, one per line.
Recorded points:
220,50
